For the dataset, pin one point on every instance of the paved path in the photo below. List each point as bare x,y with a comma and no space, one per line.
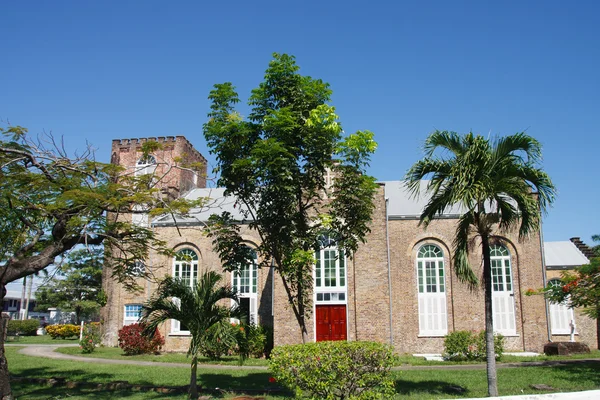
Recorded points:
48,351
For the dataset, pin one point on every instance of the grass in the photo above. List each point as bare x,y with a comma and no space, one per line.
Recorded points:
116,353
413,384
42,339
408,359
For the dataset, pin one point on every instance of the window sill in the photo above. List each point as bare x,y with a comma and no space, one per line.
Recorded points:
179,334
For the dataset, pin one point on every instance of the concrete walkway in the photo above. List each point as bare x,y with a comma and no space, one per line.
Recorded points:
48,351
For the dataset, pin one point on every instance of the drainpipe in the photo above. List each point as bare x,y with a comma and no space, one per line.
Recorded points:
387,241
544,282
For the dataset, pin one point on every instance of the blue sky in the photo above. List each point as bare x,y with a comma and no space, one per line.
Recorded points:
96,71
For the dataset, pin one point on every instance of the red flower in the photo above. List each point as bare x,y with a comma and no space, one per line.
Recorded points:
272,380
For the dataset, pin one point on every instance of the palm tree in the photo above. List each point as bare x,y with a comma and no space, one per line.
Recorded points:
492,181
195,307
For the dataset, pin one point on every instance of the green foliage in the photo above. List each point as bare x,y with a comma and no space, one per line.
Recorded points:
468,345
52,203
258,341
76,286
63,331
335,370
222,339
275,163
580,288
90,338
198,308
27,327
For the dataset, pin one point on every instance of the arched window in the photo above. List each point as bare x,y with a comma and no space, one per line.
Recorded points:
432,291
503,300
245,282
145,165
561,315
330,271
185,267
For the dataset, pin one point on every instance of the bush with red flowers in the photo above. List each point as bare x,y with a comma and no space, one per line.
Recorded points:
132,342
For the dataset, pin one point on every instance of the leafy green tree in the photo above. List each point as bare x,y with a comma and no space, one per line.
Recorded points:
580,288
51,203
276,164
493,182
596,248
196,308
76,285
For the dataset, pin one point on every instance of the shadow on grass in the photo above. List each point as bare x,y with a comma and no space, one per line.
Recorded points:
215,384
580,371
31,391
430,388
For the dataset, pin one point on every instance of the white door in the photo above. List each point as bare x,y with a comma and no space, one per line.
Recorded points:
503,299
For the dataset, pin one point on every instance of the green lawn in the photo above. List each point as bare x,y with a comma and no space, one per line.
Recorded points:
413,384
117,353
42,339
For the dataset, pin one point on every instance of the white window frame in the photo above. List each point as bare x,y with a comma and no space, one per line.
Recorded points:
505,319
433,314
328,293
249,272
128,320
561,315
145,165
184,257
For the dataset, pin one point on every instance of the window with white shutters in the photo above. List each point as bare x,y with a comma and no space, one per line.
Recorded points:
503,299
561,315
432,291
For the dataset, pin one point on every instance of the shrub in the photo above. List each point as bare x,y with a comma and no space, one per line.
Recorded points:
64,331
335,370
257,341
26,327
223,339
467,345
90,338
132,342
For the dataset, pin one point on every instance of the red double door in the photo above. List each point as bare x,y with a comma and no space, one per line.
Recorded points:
331,322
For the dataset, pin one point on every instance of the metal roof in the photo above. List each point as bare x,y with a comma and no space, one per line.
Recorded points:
563,254
402,204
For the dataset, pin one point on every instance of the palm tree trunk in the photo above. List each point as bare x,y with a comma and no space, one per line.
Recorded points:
193,379
489,321
598,327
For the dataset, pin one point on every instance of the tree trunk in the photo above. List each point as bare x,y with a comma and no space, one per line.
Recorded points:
5,390
489,321
598,327
193,379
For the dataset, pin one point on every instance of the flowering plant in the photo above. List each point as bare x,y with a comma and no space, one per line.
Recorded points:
90,337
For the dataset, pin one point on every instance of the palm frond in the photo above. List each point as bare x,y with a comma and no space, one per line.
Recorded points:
462,267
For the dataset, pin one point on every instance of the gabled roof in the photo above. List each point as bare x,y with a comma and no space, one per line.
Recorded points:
216,203
563,255
403,205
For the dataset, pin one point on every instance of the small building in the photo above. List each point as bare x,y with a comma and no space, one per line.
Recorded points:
563,256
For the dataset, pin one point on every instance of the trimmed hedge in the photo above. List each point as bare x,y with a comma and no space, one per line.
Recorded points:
467,345
64,331
26,327
132,342
335,370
